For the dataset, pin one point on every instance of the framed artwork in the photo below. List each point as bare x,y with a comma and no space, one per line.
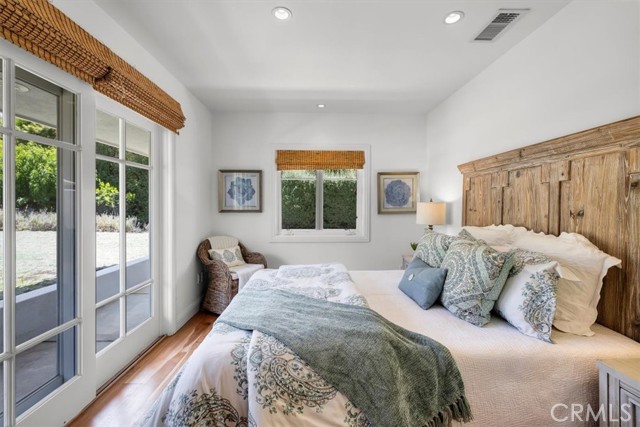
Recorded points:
398,192
239,191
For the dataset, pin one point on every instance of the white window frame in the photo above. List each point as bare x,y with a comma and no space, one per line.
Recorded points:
360,234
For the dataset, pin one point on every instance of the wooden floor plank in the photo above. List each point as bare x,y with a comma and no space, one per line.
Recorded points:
131,395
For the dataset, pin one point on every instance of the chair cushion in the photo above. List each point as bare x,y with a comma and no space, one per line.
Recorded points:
222,242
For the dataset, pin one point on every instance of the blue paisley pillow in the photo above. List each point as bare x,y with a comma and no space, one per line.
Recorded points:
528,300
433,247
476,275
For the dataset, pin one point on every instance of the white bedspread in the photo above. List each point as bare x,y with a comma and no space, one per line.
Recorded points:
249,379
245,379
511,379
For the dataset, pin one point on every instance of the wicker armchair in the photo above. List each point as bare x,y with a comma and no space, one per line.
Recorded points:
221,285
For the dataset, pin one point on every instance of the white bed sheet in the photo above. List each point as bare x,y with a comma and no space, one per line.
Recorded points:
510,379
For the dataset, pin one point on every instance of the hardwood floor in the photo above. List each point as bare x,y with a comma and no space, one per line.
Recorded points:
133,393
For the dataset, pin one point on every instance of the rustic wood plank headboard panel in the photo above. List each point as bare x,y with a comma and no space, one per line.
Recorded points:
587,183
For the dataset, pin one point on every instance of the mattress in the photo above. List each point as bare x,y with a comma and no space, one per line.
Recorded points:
510,379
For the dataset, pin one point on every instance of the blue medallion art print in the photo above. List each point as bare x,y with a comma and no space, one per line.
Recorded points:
241,191
397,194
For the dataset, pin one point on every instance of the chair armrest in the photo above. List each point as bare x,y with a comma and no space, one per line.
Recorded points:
255,258
217,266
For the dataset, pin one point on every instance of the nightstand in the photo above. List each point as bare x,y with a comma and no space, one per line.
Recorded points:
620,392
406,259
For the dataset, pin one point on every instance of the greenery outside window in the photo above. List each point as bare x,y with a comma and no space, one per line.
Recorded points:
315,205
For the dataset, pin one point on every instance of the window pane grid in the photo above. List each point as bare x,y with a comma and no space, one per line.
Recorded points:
129,291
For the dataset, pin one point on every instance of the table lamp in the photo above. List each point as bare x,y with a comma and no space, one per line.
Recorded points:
431,213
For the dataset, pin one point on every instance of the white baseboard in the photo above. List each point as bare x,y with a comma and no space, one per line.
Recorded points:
184,317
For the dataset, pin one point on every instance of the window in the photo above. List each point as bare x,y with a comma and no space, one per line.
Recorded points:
123,295
318,200
38,289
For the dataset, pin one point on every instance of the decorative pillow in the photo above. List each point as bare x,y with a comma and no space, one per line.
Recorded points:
433,247
577,300
528,299
475,277
230,256
494,235
422,283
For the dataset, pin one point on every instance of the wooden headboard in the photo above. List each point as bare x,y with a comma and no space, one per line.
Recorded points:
587,183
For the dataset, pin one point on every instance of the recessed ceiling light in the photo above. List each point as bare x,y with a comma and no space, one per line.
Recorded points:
453,17
281,13
321,105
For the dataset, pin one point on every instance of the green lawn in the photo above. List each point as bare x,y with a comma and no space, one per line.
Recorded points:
36,254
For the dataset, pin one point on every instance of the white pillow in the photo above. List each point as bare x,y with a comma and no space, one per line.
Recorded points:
230,256
528,299
498,235
577,300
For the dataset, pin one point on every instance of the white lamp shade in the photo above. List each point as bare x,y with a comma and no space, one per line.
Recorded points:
431,213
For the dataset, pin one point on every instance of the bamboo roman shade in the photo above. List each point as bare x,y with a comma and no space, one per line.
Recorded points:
319,160
40,28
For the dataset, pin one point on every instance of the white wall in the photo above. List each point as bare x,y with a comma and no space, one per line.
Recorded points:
247,140
579,70
186,171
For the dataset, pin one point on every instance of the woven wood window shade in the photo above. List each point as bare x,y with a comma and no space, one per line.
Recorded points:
318,160
40,28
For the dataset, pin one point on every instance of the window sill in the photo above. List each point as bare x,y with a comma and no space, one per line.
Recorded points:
303,236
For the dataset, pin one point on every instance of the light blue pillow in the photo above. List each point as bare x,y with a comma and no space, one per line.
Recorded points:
476,275
422,283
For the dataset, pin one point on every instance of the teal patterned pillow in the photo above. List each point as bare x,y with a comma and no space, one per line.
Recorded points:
433,247
476,275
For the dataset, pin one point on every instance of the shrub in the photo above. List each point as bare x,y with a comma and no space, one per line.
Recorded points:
36,221
106,197
110,223
36,176
48,221
299,204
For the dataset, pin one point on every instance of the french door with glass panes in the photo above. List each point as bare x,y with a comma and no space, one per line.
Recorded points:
77,303
125,292
38,245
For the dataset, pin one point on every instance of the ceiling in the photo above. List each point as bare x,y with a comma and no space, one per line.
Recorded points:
352,55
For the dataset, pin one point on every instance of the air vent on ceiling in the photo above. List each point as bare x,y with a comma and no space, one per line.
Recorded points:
503,19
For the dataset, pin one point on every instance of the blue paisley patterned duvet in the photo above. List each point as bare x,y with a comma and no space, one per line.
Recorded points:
242,378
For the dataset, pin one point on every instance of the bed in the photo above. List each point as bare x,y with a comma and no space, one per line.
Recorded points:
584,183
510,379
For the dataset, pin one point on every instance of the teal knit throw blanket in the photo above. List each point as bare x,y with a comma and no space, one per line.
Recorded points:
397,377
